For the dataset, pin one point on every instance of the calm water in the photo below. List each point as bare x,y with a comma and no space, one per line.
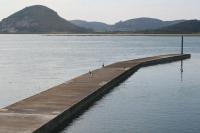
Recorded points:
154,100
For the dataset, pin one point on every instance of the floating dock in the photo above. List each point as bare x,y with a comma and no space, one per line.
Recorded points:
47,111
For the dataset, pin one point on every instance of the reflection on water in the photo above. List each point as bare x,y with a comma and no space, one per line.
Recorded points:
181,70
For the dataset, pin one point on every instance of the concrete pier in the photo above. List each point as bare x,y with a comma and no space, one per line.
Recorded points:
47,111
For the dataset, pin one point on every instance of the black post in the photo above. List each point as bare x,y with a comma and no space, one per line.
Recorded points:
182,45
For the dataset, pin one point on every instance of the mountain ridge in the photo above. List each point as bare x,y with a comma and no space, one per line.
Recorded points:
130,25
41,19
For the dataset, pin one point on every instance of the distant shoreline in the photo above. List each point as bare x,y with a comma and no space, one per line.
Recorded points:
122,34
97,34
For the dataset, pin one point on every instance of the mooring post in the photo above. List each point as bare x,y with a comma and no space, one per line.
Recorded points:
182,44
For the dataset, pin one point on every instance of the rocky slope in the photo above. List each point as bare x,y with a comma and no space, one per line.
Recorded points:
38,19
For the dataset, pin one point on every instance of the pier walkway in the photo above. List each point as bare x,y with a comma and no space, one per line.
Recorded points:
48,110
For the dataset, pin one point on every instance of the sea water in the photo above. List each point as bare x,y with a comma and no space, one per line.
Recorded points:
157,99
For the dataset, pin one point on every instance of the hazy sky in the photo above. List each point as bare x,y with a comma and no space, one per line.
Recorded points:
110,11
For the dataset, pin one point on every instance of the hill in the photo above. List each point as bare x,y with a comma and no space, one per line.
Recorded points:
96,26
38,19
186,27
140,24
137,24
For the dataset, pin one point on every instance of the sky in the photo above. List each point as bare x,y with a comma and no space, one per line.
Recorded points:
110,11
